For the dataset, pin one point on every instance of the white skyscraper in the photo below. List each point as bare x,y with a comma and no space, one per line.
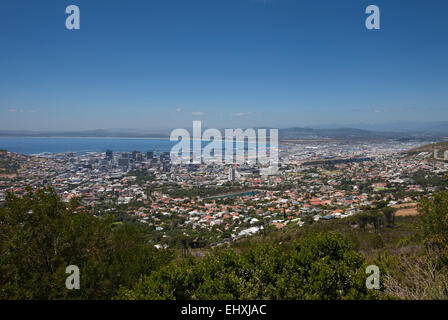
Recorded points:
232,174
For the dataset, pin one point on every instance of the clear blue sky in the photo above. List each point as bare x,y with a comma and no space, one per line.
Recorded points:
164,63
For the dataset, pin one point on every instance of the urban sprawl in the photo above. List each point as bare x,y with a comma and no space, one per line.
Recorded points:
211,204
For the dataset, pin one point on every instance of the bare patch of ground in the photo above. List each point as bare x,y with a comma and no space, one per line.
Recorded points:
406,209
8,175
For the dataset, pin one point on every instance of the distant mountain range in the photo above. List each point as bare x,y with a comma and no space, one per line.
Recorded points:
99,133
437,131
416,127
340,133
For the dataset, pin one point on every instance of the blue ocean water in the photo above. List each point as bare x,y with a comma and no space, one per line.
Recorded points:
32,146
81,145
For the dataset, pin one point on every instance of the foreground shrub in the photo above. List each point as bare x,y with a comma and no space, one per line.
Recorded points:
321,266
40,236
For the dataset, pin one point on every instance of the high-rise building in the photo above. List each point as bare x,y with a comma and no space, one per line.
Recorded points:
124,162
150,155
232,174
165,156
134,154
440,155
165,167
109,154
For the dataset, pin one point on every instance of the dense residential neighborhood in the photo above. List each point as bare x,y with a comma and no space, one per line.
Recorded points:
315,182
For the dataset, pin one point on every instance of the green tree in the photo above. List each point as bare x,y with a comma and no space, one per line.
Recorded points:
434,223
370,217
40,236
389,214
320,266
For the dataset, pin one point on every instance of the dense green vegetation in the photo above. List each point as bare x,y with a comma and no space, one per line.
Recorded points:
322,266
141,176
435,224
40,236
7,165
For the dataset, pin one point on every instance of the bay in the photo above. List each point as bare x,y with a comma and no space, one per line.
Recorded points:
34,146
